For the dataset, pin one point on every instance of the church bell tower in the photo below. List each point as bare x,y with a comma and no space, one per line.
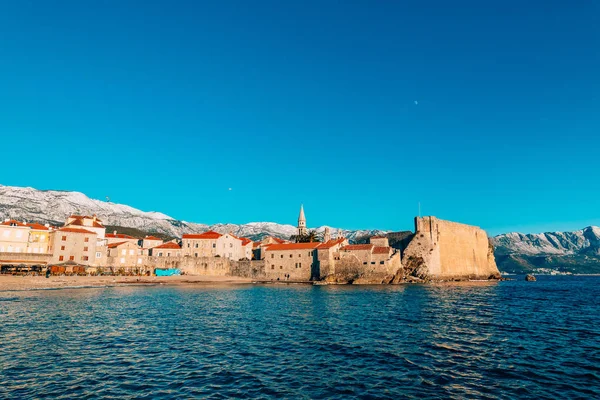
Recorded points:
302,231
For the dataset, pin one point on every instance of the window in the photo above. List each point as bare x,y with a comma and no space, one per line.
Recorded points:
72,258
299,265
139,260
372,262
64,239
195,254
282,256
168,254
42,238
188,245
160,254
214,245
382,262
19,234
365,263
299,255
87,239
272,255
84,258
122,260
123,252
62,247
98,254
296,265
18,250
272,267
131,252
85,249
291,256
281,267
61,258
230,245
196,245
6,233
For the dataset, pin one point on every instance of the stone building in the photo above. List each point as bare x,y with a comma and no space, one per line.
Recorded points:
169,249
292,261
380,241
124,254
92,224
76,245
120,237
328,254
14,236
213,244
39,238
247,247
302,231
151,241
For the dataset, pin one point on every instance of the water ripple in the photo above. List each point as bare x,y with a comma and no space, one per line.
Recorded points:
503,340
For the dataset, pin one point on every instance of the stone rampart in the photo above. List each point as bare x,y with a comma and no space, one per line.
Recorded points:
449,250
248,269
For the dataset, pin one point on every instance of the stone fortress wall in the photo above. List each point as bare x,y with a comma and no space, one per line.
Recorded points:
446,250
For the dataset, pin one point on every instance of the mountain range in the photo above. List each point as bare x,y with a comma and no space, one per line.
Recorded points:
54,206
550,252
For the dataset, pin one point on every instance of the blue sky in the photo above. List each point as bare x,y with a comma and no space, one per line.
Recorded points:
487,113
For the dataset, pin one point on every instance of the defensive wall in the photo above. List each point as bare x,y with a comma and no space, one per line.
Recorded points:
446,250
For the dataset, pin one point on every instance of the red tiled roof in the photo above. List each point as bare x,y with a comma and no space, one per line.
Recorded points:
152,238
119,236
245,241
75,230
331,243
78,221
168,245
39,227
205,235
11,222
381,250
113,245
351,247
292,246
277,240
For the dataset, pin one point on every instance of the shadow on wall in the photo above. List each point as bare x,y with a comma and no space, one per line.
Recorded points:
400,240
315,267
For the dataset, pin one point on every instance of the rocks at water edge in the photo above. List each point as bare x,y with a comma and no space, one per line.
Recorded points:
530,278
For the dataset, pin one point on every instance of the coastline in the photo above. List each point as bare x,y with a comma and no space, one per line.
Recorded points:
10,283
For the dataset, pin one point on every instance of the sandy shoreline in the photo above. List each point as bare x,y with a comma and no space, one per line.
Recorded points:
10,282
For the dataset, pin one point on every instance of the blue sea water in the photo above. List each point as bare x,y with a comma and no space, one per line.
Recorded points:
511,339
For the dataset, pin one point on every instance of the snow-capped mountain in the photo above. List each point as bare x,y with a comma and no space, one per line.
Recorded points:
54,206
575,252
586,240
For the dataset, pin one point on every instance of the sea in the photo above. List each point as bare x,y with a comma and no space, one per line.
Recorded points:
470,340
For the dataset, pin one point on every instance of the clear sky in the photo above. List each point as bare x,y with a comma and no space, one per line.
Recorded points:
486,112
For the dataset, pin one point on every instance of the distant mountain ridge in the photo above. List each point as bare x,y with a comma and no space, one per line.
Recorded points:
54,206
566,252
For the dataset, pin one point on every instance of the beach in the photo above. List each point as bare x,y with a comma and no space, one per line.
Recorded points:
12,282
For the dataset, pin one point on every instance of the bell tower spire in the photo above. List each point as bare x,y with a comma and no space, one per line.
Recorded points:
302,222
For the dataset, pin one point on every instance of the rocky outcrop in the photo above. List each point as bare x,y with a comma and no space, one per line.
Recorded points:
444,250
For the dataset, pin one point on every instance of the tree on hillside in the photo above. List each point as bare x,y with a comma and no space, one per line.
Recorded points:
311,236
